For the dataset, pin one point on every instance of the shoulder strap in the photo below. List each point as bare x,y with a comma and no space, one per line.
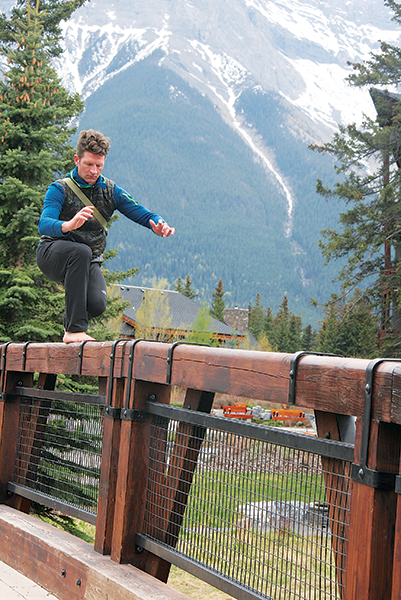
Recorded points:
78,192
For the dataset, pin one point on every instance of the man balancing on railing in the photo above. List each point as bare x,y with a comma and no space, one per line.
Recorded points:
73,229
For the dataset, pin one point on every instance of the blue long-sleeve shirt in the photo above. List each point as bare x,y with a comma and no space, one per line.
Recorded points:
50,224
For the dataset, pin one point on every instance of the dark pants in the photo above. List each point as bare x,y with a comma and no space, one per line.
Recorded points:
85,287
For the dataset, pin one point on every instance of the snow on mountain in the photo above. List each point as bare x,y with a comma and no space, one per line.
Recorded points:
297,48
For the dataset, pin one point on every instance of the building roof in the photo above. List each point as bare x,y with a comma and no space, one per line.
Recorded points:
182,310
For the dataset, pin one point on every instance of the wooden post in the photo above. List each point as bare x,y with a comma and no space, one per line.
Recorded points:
133,476
109,469
110,454
372,518
9,416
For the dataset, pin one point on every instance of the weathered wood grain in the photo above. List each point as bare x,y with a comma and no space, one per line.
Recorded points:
68,567
108,471
372,519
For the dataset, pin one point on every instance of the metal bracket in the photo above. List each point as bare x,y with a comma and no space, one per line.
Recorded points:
24,353
379,480
7,397
130,369
130,414
361,472
294,367
170,356
398,484
111,412
3,371
81,355
112,363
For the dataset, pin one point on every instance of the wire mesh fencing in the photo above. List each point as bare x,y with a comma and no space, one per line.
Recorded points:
59,454
270,518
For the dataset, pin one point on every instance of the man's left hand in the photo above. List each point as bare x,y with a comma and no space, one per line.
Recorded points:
162,228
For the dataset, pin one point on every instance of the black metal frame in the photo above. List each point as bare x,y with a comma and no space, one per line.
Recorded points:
45,499
190,566
50,502
40,394
327,448
361,472
291,439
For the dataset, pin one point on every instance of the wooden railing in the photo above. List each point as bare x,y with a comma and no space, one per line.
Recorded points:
130,372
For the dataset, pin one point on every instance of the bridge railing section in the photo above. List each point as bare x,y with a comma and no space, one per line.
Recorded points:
257,511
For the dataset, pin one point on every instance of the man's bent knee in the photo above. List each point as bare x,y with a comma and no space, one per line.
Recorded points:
97,304
80,252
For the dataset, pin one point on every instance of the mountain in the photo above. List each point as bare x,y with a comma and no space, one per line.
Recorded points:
210,107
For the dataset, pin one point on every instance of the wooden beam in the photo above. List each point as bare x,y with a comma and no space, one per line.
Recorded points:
68,567
326,383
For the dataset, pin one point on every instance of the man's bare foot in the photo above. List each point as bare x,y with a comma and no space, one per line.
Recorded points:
76,336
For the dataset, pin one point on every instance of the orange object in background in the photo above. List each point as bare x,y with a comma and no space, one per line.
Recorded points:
238,411
288,414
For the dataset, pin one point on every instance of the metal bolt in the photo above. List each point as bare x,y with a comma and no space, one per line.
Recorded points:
367,388
64,572
78,582
361,473
328,435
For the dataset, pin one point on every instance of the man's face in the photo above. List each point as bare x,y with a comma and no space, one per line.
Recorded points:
90,166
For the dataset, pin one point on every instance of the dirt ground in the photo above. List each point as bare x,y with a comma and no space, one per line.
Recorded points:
194,588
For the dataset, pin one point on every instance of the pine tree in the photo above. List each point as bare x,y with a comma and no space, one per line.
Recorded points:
368,234
187,288
307,339
294,333
218,302
268,327
349,329
52,13
281,325
35,112
178,287
256,318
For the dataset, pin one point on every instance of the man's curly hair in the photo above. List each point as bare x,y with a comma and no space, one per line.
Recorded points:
92,141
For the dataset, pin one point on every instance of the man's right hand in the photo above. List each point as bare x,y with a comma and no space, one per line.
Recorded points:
78,220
